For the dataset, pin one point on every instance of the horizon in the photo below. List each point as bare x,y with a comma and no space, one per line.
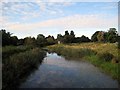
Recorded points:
25,19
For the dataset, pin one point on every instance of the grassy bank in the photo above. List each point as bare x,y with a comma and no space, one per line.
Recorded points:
17,66
103,55
10,50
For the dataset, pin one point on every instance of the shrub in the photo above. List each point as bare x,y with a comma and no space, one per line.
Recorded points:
10,50
115,60
72,52
18,65
106,56
119,45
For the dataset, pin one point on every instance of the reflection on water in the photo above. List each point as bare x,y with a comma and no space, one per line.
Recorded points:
57,72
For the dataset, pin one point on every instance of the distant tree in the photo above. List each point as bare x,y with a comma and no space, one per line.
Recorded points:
66,33
77,40
50,40
29,41
94,36
60,38
20,42
105,36
72,37
14,40
118,39
84,39
5,37
69,38
72,33
100,36
41,41
112,35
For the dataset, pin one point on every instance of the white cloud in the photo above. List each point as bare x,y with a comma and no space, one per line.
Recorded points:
82,24
75,21
60,0
28,11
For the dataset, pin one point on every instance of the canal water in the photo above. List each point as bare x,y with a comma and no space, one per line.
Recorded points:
58,72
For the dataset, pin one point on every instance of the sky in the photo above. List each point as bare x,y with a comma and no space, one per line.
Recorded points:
52,17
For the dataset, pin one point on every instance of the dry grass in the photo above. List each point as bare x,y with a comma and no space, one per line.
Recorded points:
98,47
103,55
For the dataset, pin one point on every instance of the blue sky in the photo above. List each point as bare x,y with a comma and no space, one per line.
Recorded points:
33,18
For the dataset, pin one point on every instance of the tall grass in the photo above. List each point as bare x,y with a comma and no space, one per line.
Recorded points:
10,50
103,55
19,65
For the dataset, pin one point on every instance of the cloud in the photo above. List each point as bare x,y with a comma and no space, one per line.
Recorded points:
30,10
75,21
60,0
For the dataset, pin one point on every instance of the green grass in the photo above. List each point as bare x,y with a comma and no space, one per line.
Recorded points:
10,50
108,67
103,55
19,65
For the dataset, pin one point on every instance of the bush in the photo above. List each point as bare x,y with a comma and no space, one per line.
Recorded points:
18,65
115,60
72,52
118,45
106,56
10,50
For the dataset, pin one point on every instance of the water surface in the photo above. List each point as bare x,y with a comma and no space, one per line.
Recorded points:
58,72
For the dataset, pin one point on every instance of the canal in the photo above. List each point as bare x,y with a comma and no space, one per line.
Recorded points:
58,72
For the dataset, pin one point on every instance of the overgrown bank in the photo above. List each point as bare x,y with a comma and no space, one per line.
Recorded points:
17,66
103,55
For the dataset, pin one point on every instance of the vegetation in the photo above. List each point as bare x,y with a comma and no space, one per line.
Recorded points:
20,56
103,55
10,50
70,38
102,36
19,65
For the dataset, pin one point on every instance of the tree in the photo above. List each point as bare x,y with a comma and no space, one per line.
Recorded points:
112,35
20,41
72,37
14,40
41,41
100,36
60,38
29,41
84,39
69,38
66,33
94,36
50,40
5,37
118,39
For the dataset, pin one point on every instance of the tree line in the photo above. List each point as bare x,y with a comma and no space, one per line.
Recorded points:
99,36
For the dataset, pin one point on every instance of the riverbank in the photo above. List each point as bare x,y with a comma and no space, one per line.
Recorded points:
17,65
103,55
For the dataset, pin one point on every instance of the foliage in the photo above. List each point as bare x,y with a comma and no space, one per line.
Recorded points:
106,56
10,50
18,65
94,36
21,41
60,38
118,42
41,41
29,41
7,39
101,36
112,35
50,40
84,39
100,54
